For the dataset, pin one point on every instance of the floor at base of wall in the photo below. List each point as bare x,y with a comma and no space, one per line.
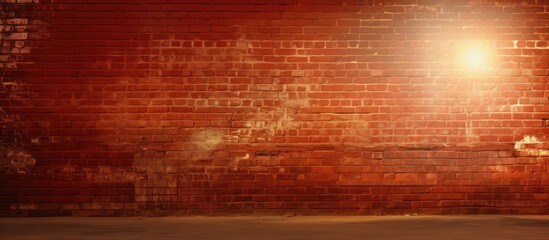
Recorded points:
262,228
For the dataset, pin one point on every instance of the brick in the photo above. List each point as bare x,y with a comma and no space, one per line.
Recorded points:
235,108
16,36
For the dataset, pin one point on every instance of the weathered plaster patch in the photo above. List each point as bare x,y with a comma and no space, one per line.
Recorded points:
207,139
15,160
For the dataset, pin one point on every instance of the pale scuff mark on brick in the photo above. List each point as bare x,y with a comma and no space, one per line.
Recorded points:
288,110
207,139
237,160
471,137
281,118
15,160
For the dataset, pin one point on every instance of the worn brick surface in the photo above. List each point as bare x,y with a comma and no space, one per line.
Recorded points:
273,107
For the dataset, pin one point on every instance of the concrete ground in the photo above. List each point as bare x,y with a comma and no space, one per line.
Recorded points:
263,228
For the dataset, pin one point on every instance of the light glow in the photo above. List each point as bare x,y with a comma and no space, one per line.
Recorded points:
475,58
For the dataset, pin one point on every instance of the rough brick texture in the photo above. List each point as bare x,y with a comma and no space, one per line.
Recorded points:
157,107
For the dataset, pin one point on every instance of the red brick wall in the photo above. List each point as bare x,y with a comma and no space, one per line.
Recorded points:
273,107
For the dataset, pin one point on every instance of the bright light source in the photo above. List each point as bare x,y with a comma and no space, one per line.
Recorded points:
475,58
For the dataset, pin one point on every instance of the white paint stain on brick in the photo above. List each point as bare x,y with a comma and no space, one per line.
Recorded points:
538,150
526,140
